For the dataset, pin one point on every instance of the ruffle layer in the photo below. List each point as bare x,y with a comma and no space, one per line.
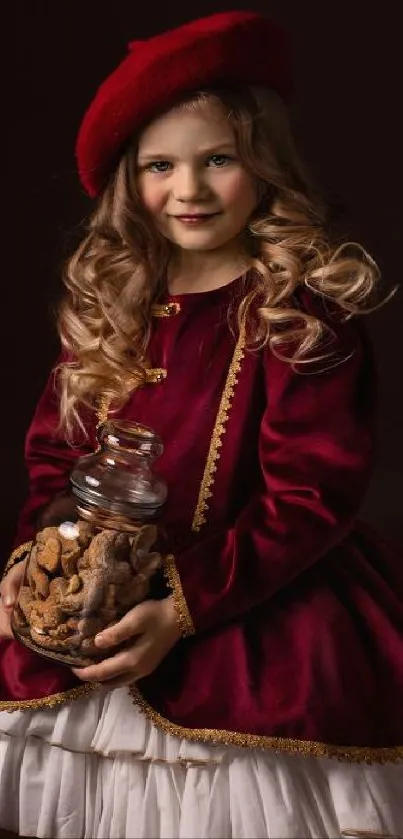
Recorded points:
98,769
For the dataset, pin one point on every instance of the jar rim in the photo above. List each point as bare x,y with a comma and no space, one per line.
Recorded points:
131,428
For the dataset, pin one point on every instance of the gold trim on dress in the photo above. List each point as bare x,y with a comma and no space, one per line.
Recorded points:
16,556
304,748
200,517
49,701
181,609
165,310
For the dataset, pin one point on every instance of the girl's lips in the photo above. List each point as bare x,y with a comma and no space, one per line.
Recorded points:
196,218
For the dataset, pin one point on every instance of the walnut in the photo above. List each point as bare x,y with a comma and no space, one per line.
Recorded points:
84,561
142,560
109,601
58,588
74,585
88,598
47,533
107,615
134,592
122,546
19,620
141,543
37,577
70,555
101,552
121,573
85,533
25,601
46,614
48,555
90,626
57,644
149,564
62,631
72,623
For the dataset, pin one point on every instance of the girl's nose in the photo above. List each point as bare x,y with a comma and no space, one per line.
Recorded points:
189,185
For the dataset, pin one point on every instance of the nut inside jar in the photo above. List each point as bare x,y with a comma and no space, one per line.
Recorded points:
79,580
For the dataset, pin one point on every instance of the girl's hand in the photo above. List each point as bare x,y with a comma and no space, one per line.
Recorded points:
151,627
9,588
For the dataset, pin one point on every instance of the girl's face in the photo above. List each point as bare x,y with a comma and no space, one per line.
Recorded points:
191,180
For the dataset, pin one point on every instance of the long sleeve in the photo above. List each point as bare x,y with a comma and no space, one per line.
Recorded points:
48,459
315,452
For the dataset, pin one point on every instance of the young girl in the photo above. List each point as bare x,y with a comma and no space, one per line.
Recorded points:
262,696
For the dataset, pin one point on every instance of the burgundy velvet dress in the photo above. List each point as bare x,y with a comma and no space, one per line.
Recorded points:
291,608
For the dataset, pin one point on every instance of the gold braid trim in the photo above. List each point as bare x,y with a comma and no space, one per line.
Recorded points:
173,581
16,556
49,701
305,748
199,517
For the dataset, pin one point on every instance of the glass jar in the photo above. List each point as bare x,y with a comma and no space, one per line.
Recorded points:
92,558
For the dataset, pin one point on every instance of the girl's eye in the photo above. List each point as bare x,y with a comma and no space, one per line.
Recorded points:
220,159
162,166
158,166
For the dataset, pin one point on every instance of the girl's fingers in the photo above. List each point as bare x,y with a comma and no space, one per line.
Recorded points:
8,601
9,587
110,668
124,630
5,626
8,594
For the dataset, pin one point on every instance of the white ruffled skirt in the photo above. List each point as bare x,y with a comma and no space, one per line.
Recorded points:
97,768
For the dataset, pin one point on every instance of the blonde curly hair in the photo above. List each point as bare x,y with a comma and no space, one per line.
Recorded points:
118,270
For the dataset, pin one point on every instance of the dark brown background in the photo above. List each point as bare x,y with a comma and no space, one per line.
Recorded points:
345,112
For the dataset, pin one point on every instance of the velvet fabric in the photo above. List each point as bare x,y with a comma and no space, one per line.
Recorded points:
297,607
235,47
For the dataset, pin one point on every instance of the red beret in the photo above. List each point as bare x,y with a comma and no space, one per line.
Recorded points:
225,48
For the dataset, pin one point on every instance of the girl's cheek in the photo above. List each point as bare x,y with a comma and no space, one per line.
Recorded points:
151,200
233,187
241,191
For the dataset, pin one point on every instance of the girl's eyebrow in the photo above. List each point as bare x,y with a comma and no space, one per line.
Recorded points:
159,156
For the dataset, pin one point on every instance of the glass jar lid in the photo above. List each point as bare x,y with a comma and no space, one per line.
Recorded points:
119,479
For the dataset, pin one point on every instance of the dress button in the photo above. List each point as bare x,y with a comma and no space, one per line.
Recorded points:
165,310
155,375
172,309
